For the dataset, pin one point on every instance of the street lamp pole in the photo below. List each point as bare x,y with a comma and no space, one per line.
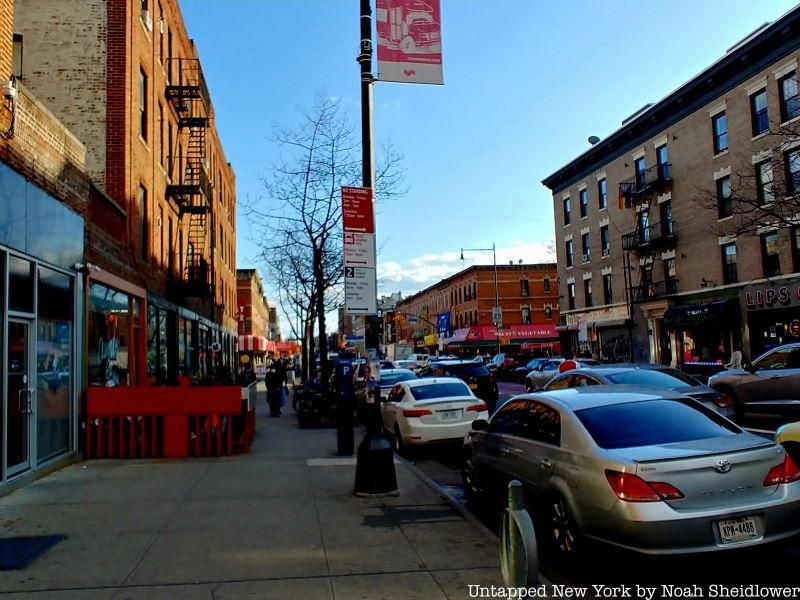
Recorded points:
497,323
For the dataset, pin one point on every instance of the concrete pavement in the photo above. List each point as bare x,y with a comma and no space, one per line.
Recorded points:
280,522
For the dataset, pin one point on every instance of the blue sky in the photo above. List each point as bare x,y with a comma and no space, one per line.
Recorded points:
526,83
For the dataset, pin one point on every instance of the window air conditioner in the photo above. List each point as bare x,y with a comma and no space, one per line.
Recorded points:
147,19
607,252
585,258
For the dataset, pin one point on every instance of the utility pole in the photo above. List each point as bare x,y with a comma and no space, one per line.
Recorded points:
375,472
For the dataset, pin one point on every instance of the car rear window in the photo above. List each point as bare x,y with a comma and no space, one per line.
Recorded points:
653,422
467,369
663,378
439,390
392,378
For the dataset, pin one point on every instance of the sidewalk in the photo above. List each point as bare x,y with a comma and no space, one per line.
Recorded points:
280,522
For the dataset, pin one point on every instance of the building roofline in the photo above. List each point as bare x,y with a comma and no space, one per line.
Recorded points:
503,267
747,57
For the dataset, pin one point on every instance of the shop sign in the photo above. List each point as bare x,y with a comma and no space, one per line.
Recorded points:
769,296
794,328
612,313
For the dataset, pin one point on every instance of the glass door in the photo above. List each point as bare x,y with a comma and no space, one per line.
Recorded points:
19,397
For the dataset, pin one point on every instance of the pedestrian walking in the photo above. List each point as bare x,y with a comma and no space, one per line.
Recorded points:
276,380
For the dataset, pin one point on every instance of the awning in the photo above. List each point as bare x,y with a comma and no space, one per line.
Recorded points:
459,335
709,313
288,347
430,339
253,343
513,333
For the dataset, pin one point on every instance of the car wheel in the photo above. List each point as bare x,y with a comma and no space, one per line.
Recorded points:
397,441
738,405
474,489
528,385
563,535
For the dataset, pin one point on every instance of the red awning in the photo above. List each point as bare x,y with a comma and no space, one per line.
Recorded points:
253,343
513,332
459,335
288,347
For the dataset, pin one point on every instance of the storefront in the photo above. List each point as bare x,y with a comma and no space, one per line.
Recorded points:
604,333
705,334
772,314
515,339
41,248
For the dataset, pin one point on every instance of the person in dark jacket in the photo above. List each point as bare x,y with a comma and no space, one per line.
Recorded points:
276,380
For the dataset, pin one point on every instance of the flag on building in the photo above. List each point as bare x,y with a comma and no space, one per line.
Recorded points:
625,200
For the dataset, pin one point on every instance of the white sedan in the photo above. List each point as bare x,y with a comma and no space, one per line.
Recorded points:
430,410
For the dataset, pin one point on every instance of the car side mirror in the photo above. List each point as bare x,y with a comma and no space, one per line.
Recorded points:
480,425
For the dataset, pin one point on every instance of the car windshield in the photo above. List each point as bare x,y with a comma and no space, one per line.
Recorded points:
388,379
439,390
652,423
467,369
663,378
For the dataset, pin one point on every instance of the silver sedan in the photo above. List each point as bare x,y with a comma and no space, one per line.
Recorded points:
654,472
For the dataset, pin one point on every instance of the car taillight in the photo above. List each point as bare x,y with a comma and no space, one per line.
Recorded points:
786,472
491,377
723,401
630,488
416,412
478,407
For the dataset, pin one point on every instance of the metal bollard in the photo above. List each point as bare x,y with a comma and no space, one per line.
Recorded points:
519,555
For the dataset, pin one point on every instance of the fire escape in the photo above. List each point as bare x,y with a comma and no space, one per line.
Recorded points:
190,186
648,241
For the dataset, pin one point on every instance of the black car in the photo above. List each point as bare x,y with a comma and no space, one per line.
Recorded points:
473,373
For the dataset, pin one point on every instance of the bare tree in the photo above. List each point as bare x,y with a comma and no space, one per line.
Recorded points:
763,192
300,218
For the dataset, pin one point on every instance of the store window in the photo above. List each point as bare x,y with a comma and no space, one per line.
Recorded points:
157,342
54,364
108,341
20,284
704,345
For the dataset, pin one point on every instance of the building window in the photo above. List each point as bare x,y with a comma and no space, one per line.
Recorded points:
665,208
16,56
670,281
526,315
160,233
568,247
585,247
143,222
143,104
170,248
546,285
644,226
640,170
524,289
169,56
587,292
662,159
605,241
608,295
583,201
602,194
724,203
719,126
790,106
730,274
170,158
758,112
161,144
770,258
796,249
764,187
571,295
548,312
161,33
567,211
108,336
793,172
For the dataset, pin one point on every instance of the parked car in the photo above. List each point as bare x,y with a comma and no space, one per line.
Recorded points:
654,472
658,376
520,373
544,372
503,366
430,410
408,364
389,364
391,377
420,359
473,373
770,386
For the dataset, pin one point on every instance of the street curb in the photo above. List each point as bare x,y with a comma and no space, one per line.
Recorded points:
455,504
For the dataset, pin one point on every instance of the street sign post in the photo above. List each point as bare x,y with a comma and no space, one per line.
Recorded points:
497,315
358,221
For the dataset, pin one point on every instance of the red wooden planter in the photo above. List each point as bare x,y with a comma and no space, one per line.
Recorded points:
169,422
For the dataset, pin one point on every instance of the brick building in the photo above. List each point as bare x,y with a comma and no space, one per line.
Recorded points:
125,78
642,253
253,311
45,198
457,312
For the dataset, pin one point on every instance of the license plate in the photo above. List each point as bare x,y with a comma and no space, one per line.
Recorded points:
738,530
473,386
450,415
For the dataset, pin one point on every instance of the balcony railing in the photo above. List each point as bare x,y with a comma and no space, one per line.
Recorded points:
656,177
653,237
189,178
195,281
654,290
186,80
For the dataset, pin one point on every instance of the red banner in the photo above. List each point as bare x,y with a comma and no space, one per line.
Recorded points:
357,212
409,41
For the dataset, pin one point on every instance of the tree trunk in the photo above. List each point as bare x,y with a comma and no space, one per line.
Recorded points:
319,282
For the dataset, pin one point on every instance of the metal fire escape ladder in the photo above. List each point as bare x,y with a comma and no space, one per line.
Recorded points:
192,192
